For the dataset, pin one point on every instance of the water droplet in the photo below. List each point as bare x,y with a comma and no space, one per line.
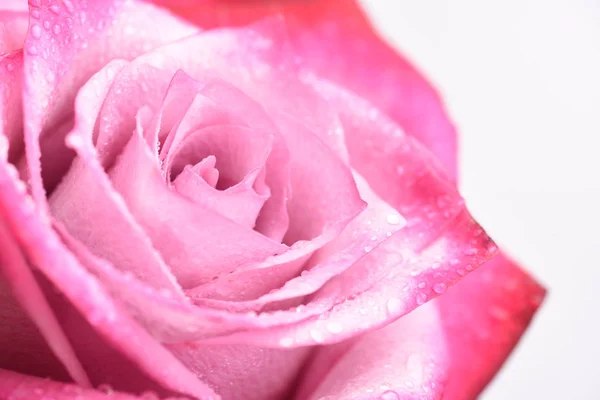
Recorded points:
286,342
10,67
317,335
31,49
35,14
409,384
55,9
362,310
374,238
335,327
47,24
471,251
436,265
460,272
69,6
400,170
394,219
56,29
439,288
368,249
421,298
36,31
106,388
454,261
394,306
422,285
390,395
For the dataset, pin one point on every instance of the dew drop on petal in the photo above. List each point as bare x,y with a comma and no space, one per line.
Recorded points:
439,288
47,24
421,298
55,9
368,249
56,29
317,335
394,306
394,219
335,327
390,395
36,31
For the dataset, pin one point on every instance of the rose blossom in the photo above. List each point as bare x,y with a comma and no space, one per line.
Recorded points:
236,200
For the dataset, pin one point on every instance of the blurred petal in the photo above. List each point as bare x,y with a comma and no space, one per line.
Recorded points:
13,28
483,318
335,39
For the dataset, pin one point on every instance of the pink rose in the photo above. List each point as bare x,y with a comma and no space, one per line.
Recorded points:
237,213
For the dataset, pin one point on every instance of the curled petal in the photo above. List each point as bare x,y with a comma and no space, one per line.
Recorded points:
43,249
81,40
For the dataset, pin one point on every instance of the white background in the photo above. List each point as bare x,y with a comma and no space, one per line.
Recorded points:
521,79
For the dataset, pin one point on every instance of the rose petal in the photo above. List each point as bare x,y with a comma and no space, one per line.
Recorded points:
15,386
335,39
86,197
483,319
177,225
404,360
26,289
43,249
22,347
11,113
13,28
58,61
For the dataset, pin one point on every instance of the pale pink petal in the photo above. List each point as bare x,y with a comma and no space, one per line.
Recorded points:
335,39
11,112
73,285
13,28
15,386
240,203
406,360
81,39
247,372
86,197
483,318
176,225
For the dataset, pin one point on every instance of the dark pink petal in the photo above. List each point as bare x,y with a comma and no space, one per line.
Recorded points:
86,197
11,113
22,281
335,39
406,360
176,225
483,319
15,386
22,347
44,250
83,37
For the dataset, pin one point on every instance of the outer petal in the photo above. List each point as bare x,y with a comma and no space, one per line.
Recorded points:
15,386
84,36
22,347
406,360
483,319
145,356
335,39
